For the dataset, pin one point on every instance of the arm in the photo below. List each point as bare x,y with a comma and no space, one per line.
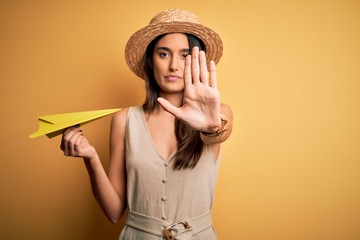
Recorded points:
108,189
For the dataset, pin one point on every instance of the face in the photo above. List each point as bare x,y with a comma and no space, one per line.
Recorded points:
168,62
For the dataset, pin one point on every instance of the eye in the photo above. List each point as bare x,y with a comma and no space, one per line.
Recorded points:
163,54
185,55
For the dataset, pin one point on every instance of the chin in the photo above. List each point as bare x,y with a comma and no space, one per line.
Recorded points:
173,88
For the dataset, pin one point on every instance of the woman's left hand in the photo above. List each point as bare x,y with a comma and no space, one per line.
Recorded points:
201,103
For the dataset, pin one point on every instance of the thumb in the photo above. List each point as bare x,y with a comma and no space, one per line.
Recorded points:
167,106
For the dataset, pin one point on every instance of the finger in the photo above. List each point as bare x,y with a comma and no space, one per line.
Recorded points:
77,143
187,71
195,64
213,80
65,140
204,74
67,130
72,143
66,143
167,106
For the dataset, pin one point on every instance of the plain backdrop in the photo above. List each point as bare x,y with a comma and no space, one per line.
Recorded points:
290,71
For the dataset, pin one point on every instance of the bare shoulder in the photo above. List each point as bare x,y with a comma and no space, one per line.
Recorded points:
226,110
120,116
118,121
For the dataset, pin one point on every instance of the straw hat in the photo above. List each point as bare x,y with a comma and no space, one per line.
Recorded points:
170,21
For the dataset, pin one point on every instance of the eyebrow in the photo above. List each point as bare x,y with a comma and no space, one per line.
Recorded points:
169,50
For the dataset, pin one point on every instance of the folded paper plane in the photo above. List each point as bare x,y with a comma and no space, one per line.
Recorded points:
53,125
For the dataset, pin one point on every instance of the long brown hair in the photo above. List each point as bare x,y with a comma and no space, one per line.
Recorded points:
189,143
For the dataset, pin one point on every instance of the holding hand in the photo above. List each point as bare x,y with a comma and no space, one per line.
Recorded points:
201,103
74,144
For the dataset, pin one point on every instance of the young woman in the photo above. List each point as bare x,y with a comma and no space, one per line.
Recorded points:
165,153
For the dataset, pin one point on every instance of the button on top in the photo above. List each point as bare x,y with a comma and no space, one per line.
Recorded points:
163,199
166,164
164,180
163,217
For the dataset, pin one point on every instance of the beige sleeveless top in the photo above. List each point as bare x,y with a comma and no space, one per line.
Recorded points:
155,189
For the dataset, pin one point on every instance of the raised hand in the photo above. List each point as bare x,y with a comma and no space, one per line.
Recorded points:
201,103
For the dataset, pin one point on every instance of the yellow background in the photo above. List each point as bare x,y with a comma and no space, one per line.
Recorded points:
290,71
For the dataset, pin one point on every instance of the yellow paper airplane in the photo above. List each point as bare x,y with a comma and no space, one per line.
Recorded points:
53,125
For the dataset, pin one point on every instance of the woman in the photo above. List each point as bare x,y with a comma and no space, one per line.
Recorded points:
165,153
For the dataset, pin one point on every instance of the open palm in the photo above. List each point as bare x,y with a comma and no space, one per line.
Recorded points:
201,103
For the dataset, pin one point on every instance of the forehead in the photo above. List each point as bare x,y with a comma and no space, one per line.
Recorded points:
173,41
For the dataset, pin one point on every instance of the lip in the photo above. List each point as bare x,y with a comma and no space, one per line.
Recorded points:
173,78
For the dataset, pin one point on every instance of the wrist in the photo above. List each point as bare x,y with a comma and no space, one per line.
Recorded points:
218,132
91,156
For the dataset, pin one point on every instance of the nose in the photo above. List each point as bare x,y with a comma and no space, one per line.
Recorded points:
175,63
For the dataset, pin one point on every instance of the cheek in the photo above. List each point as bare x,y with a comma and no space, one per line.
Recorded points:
158,66
156,71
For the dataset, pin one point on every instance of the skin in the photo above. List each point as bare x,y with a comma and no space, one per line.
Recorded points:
188,92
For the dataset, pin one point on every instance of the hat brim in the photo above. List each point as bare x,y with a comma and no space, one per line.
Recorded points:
138,42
